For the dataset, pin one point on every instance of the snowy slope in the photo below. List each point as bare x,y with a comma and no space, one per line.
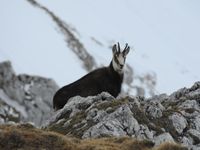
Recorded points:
164,35
30,40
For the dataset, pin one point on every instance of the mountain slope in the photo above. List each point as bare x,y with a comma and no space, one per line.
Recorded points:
164,35
173,118
24,98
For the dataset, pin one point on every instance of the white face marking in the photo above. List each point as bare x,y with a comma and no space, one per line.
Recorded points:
121,59
118,63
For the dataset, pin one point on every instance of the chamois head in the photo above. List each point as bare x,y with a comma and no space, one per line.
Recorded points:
119,57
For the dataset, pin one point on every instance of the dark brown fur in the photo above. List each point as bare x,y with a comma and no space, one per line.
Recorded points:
103,79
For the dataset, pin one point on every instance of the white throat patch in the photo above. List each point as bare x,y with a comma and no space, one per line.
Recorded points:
116,67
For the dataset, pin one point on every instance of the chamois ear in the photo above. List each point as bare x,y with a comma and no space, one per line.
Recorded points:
114,49
126,50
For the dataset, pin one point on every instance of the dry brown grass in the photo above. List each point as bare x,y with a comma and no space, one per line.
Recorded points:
171,146
30,138
123,143
26,137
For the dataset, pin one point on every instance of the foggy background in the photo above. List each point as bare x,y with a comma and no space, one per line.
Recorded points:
163,35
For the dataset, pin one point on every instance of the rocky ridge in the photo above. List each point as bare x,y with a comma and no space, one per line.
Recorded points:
174,118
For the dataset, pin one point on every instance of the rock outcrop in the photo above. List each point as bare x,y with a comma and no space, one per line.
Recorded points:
24,98
173,118
162,118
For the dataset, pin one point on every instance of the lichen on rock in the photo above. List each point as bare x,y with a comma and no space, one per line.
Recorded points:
158,119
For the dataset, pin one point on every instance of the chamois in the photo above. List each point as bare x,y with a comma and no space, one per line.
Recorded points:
108,79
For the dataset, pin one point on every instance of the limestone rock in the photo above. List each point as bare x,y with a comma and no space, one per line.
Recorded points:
195,135
119,123
162,118
179,122
31,96
154,109
189,104
188,142
8,114
165,137
6,73
195,123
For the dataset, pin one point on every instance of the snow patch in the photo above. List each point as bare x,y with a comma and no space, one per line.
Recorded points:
13,103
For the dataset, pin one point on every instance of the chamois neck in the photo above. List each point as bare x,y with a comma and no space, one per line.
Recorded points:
114,68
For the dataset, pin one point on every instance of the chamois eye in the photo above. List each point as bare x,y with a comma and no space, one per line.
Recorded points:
116,59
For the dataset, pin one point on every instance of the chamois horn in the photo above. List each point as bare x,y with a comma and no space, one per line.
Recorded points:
118,46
